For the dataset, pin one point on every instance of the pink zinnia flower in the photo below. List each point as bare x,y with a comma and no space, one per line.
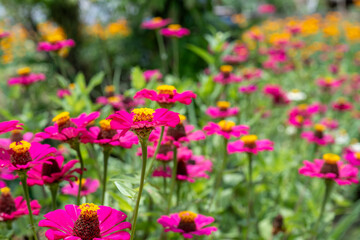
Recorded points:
26,77
149,74
187,223
318,136
4,34
11,209
250,144
52,171
66,129
301,115
248,89
175,30
278,95
87,221
88,186
226,129
155,23
61,93
225,76
266,9
329,83
330,167
222,110
342,105
143,120
330,123
55,46
9,126
251,73
352,157
6,174
166,96
23,155
17,136
107,136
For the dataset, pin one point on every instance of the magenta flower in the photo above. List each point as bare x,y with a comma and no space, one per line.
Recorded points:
248,89
342,105
61,93
225,76
318,136
23,155
149,74
6,174
67,129
55,46
226,129
166,96
52,171
88,186
266,9
17,136
87,221
26,80
330,123
278,95
234,59
187,223
251,73
330,167
175,30
11,209
4,34
328,83
250,144
352,157
155,23
143,120
301,115
222,110
9,126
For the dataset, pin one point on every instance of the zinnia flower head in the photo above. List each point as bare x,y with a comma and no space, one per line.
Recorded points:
342,105
250,144
155,23
55,45
9,126
175,30
222,110
318,136
226,129
187,224
26,77
329,83
150,74
330,167
278,95
88,186
248,89
226,76
12,208
166,96
87,221
353,157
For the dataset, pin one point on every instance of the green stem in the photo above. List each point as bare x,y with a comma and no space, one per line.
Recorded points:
23,178
106,152
163,55
173,179
250,196
156,152
164,178
329,183
77,149
54,189
175,56
143,170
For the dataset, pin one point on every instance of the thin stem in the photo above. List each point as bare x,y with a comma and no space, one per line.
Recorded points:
54,189
250,195
173,179
106,152
23,178
156,152
175,56
77,149
164,179
143,170
162,51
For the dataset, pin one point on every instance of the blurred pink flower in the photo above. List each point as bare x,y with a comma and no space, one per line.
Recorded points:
175,30
9,126
88,186
226,129
266,9
149,74
318,136
222,110
250,144
155,23
55,46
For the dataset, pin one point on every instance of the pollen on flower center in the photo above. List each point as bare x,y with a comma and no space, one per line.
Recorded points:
143,114
87,225
109,88
331,158
341,100
299,118
166,89
249,139
20,147
226,125
319,127
182,118
5,190
23,71
174,27
53,38
89,210
61,118
328,80
113,99
105,124
302,106
82,182
187,221
157,19
20,153
357,155
223,105
226,68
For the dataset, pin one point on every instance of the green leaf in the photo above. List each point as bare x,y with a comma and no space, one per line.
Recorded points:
137,78
80,81
125,190
95,80
123,204
201,53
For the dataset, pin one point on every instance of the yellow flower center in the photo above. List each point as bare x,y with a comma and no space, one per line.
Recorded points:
226,68
72,86
143,114
226,125
55,37
20,147
24,71
61,118
295,91
109,88
319,127
89,210
157,19
357,155
249,139
105,124
341,100
223,105
5,190
16,131
299,118
328,80
182,118
302,106
187,216
82,182
331,158
114,99
166,89
174,27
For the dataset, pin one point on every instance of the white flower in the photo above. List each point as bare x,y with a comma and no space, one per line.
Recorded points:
296,95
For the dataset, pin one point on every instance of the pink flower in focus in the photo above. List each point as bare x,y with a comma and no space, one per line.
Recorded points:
149,74
222,110
87,221
17,136
9,126
330,167
187,223
88,186
155,23
55,46
175,30
248,89
250,144
266,9
166,96
226,129
342,105
11,209
318,136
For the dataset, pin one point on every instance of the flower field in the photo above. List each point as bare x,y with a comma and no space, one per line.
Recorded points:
124,120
